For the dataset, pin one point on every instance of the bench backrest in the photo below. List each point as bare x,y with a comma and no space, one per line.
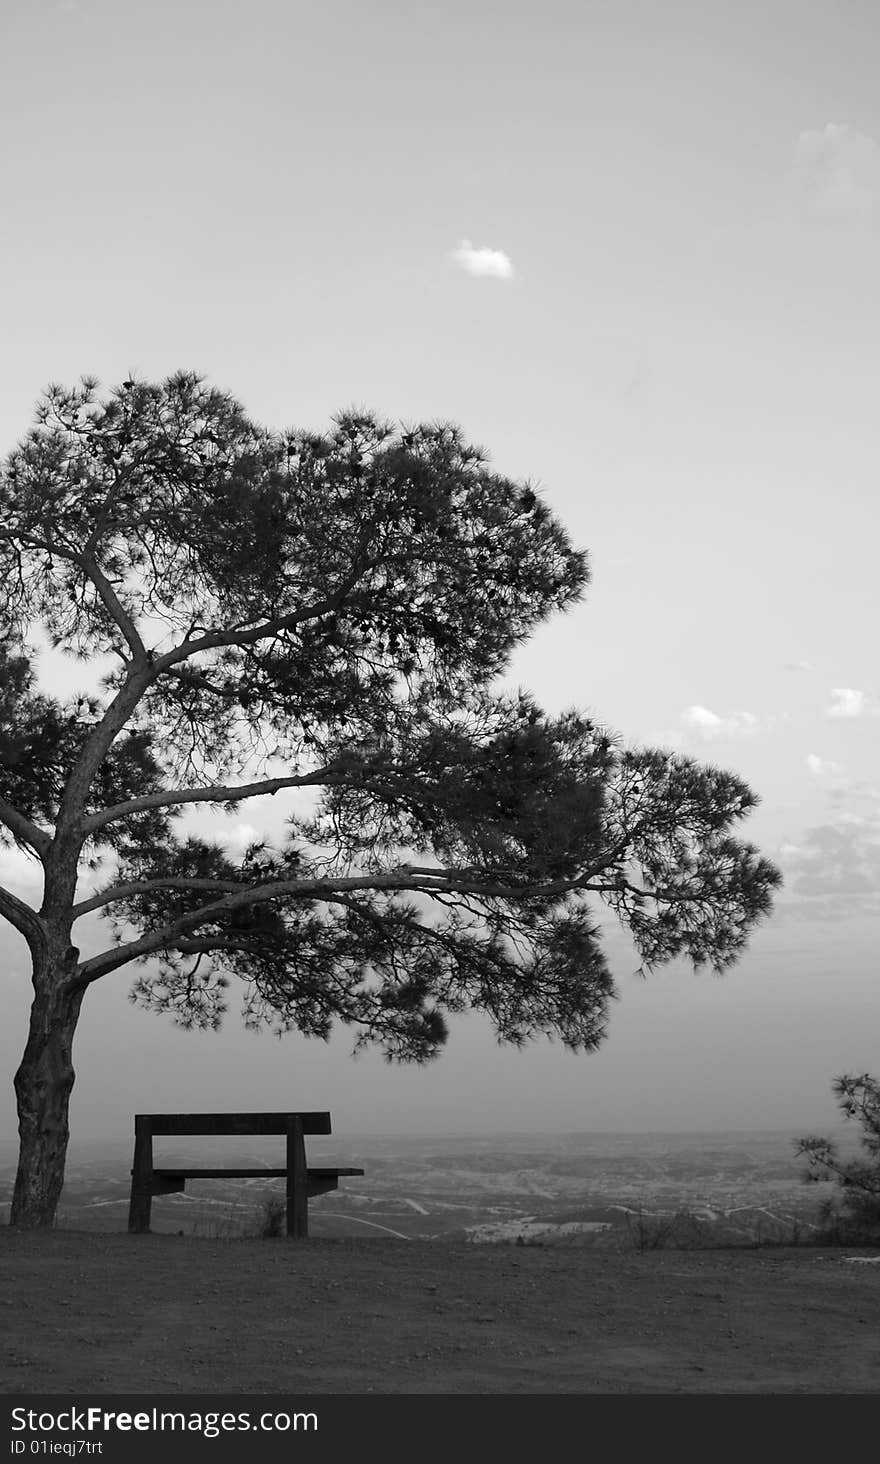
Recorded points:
231,1123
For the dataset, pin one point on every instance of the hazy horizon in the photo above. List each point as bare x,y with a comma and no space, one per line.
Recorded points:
632,249
115,1149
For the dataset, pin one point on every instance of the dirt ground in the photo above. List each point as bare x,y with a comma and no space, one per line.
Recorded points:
103,1314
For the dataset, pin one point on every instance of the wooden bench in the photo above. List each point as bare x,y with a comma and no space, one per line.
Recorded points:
302,1181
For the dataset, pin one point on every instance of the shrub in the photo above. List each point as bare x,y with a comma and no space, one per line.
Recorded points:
852,1216
272,1217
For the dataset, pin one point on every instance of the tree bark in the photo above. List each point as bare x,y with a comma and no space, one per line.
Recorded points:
43,1085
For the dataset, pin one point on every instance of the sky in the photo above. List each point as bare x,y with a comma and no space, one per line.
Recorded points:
632,248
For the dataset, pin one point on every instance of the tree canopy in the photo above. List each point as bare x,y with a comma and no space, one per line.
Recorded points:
291,610
329,616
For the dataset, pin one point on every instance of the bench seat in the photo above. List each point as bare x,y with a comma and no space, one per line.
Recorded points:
319,1181
189,1173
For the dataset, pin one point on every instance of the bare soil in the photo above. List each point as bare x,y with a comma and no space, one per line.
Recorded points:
91,1313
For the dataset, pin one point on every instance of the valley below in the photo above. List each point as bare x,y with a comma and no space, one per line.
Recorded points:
619,1191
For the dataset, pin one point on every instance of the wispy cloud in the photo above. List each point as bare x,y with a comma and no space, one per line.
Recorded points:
798,666
848,701
709,724
836,173
832,871
704,725
836,859
822,767
487,264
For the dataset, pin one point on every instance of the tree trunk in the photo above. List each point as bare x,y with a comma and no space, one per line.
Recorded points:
43,1084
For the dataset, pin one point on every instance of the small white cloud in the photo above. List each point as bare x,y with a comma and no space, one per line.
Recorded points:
704,719
798,666
483,263
821,767
708,723
846,702
836,173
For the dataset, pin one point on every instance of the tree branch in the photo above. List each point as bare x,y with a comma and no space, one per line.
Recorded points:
146,886
422,879
202,944
25,920
29,833
34,541
98,744
221,793
429,882
114,606
217,639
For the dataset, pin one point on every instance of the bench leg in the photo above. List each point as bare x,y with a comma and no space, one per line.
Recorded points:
141,1179
297,1182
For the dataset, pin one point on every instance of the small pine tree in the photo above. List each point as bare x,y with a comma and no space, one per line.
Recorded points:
853,1215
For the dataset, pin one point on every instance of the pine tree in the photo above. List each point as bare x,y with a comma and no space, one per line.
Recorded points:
330,613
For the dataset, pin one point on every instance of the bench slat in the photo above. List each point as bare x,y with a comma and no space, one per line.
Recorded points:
233,1123
327,1173
189,1173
